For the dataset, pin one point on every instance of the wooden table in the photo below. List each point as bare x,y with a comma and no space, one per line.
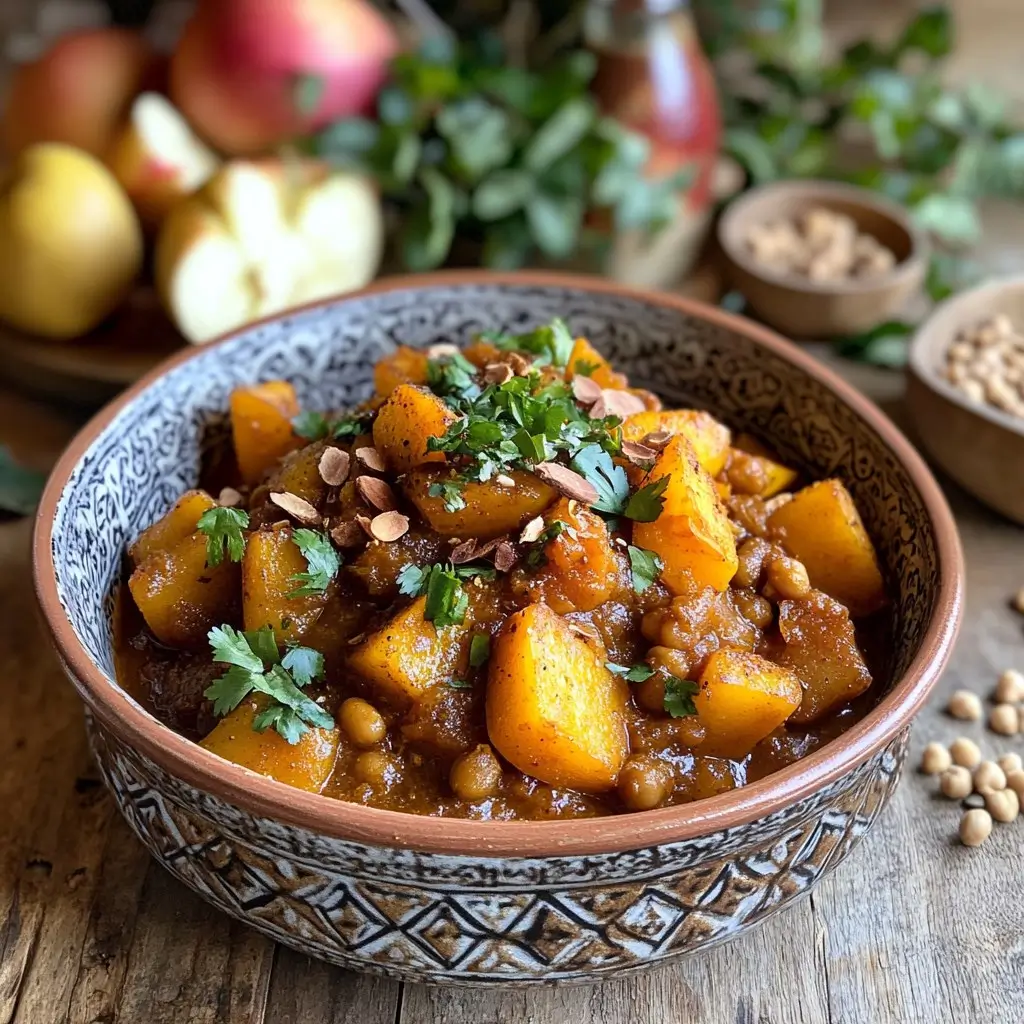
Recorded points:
912,928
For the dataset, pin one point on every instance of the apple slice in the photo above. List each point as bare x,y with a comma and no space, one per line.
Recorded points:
262,237
158,159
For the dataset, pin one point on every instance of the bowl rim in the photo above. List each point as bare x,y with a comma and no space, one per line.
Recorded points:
907,269
936,333
339,819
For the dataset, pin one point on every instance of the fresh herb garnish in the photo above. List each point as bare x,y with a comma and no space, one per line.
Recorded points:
536,557
452,376
631,673
595,464
645,506
322,561
479,649
223,528
551,344
312,426
447,601
645,567
584,367
679,694
412,580
451,492
256,665
460,684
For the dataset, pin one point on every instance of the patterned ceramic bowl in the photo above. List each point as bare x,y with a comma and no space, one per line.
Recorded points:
428,899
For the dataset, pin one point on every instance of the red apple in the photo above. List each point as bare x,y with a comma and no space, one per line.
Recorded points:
79,91
241,68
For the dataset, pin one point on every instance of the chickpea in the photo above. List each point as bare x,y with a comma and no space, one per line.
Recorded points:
650,694
754,608
644,783
375,768
361,722
746,474
1010,763
1003,805
989,776
1010,688
476,774
1005,720
965,752
955,782
751,556
935,759
788,578
975,827
965,705
1015,781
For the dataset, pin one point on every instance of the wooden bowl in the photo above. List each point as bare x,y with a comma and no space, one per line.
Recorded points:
801,308
979,446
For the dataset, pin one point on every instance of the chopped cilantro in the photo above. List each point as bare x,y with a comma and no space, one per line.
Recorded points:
223,528
451,491
322,561
645,567
351,426
631,673
679,694
447,602
460,684
595,464
536,557
452,376
412,580
584,367
549,344
311,425
479,649
645,506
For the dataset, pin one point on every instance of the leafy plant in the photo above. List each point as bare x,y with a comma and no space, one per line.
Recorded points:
20,488
518,161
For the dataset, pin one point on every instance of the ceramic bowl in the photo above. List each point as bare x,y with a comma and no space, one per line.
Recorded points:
979,446
458,901
802,308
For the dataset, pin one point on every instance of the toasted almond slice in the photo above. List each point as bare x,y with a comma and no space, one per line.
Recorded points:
639,454
229,497
532,530
363,522
521,366
567,481
498,373
389,526
441,350
464,551
298,508
504,481
348,534
657,439
334,466
371,459
586,390
376,492
614,402
488,546
504,556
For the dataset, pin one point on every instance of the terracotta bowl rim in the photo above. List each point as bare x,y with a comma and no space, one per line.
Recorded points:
937,329
335,818
903,273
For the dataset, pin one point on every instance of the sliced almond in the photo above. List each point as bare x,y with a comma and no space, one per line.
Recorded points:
363,522
532,530
503,480
334,466
498,373
464,551
229,497
441,350
521,366
389,526
614,402
487,547
586,390
371,459
504,556
584,629
639,454
657,439
567,481
298,508
348,534
376,492
652,403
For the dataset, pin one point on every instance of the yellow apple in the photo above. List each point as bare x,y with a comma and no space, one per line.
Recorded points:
70,242
263,237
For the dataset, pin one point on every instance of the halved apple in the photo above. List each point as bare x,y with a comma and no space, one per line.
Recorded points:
158,159
263,237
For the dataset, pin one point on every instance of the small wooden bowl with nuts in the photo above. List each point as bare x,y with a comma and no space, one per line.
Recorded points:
965,391
818,259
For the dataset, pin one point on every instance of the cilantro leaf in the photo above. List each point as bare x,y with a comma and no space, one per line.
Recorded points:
460,684
679,694
536,557
479,649
232,648
631,673
311,425
263,644
304,663
447,602
452,376
451,492
350,426
645,506
285,720
322,561
412,580
584,367
223,528
229,690
595,464
645,567
552,343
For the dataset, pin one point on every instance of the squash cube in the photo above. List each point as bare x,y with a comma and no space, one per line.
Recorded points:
404,366
584,357
299,473
778,477
261,424
710,439
173,527
404,424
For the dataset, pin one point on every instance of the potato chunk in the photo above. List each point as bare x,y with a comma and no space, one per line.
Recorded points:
821,648
261,424
553,709
181,597
692,535
404,366
270,563
822,527
172,528
778,477
404,424
742,699
710,439
304,765
586,361
491,510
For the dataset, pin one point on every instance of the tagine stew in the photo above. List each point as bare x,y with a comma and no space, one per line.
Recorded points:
510,586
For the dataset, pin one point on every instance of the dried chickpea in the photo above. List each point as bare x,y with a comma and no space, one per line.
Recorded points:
650,694
965,752
750,558
935,759
1003,804
955,782
754,608
644,783
1010,688
361,722
746,475
1005,720
989,776
975,827
965,705
476,774
1015,781
1010,763
375,768
788,578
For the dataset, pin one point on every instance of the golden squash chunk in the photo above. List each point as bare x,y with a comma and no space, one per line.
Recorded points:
822,527
261,425
299,473
181,597
405,422
692,535
778,477
490,510
586,361
271,560
304,765
710,439
742,699
821,648
553,709
482,353
404,366
172,528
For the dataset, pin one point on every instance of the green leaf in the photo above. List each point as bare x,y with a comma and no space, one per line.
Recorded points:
555,222
354,136
884,345
645,567
501,194
304,663
412,580
631,673
479,649
451,492
263,644
20,488
395,106
309,91
507,244
229,690
595,464
679,694
447,603
231,647
479,134
223,528
953,219
322,562
310,425
753,153
406,158
931,32
460,684
562,132
645,506
428,231
284,719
